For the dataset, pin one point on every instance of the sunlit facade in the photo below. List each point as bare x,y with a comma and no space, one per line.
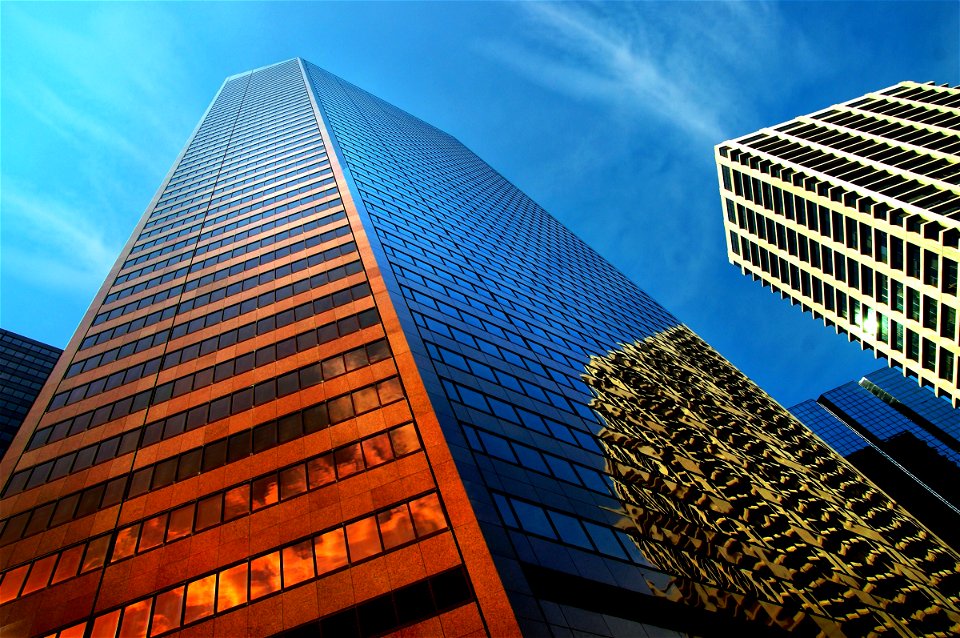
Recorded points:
333,386
853,212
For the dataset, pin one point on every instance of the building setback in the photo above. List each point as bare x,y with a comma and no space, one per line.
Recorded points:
25,365
334,386
853,213
901,437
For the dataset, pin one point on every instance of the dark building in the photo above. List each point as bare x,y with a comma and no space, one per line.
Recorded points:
25,365
334,386
902,437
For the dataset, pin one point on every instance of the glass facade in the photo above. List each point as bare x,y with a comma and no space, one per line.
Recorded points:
900,436
25,365
335,385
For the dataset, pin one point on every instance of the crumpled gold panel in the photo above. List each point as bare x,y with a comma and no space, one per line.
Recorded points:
752,513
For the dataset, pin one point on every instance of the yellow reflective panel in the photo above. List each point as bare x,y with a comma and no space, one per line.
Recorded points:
135,618
330,551
264,575
427,514
363,539
166,611
232,589
200,597
395,526
298,563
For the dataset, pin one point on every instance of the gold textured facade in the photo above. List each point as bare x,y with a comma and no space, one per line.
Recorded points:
754,515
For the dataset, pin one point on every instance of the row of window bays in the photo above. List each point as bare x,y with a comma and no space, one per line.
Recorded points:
931,267
847,307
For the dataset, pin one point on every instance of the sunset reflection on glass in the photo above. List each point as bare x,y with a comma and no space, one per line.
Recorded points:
298,563
152,533
363,539
330,550
181,522
166,613
200,595
321,471
135,618
395,526
264,575
265,492
427,514
348,460
405,439
232,590
293,481
126,542
236,502
377,450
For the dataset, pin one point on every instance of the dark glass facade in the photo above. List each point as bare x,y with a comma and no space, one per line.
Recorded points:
902,437
25,365
334,386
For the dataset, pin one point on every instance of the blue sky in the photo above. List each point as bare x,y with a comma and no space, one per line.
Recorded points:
606,114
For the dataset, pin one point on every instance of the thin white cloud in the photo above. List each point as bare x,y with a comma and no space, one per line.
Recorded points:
59,244
668,60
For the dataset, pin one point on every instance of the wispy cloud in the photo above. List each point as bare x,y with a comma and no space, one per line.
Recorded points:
59,245
668,60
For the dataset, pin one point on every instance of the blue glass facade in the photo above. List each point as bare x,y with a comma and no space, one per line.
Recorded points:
24,366
503,307
902,437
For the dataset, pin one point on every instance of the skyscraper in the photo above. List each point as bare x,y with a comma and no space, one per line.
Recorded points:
900,436
853,212
25,365
333,387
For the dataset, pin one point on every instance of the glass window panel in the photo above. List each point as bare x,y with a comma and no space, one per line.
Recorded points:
355,359
389,391
232,590
315,418
236,502
74,632
395,526
69,564
333,367
298,563
265,491
166,611
208,511
200,597
39,574
152,533
330,551
135,619
96,553
264,575
181,522
348,459
293,481
340,409
126,542
106,625
377,450
570,530
427,514
365,400
363,539
12,581
320,471
405,439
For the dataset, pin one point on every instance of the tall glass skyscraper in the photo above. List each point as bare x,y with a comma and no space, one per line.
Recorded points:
853,213
335,385
902,437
